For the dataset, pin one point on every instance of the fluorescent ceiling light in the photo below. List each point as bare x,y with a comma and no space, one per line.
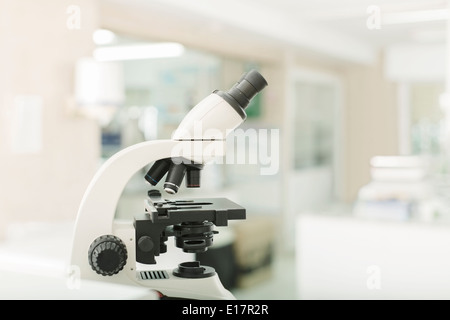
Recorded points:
103,36
139,51
414,16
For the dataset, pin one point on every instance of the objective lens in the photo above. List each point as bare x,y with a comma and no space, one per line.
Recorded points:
157,171
174,177
193,175
193,178
175,168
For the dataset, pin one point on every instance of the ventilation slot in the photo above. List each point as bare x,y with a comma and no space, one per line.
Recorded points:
154,275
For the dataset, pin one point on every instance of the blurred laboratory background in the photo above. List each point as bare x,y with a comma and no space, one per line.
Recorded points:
347,188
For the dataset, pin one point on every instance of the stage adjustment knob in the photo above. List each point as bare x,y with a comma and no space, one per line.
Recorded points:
107,255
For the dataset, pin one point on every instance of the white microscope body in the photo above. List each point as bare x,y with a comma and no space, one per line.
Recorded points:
104,249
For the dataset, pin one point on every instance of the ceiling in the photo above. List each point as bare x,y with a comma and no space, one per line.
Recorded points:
351,29
352,18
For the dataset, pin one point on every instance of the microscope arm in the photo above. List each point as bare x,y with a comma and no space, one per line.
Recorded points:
98,207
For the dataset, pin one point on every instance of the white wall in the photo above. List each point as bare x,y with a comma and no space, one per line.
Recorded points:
415,62
40,42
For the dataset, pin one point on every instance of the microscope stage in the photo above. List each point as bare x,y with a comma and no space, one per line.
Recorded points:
216,210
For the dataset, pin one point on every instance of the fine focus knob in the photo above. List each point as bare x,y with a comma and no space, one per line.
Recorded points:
107,255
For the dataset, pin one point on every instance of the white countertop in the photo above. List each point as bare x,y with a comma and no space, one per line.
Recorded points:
26,286
34,265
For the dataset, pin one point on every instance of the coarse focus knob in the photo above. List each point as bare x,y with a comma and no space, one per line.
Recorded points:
107,255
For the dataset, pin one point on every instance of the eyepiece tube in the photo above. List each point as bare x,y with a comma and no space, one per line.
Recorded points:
247,87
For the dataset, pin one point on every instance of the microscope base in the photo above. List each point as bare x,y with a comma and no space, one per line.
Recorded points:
170,286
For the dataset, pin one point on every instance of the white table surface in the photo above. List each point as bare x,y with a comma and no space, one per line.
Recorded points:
34,265
23,286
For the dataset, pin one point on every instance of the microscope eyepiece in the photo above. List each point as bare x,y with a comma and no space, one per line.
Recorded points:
243,91
247,87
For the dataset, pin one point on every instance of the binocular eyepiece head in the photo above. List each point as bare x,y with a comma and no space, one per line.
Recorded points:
238,97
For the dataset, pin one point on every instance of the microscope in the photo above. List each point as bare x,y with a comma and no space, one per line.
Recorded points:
124,252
